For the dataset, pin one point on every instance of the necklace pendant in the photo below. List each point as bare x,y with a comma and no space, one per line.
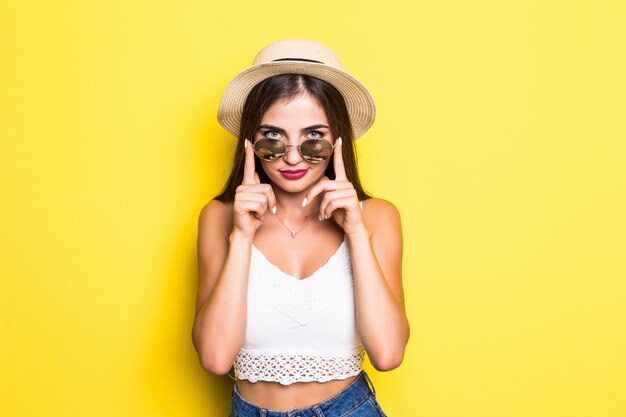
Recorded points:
293,234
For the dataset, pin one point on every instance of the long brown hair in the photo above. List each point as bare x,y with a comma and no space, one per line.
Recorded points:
286,86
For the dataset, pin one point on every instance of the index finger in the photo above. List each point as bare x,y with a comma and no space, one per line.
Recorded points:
340,170
248,168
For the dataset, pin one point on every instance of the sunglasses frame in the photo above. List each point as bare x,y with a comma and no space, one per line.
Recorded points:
332,145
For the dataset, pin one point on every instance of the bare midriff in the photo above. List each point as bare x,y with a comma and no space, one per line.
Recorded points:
278,397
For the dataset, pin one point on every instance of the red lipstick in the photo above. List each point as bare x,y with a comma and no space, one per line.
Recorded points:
294,175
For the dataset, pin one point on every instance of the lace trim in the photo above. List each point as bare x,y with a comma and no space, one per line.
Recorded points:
287,369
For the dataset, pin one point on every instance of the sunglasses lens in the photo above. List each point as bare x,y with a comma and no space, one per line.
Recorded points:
269,149
316,150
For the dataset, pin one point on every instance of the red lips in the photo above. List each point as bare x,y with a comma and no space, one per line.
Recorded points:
294,175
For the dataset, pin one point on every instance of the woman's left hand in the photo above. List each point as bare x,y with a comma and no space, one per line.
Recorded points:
340,199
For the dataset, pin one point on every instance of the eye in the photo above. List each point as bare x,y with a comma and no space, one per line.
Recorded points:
316,134
271,134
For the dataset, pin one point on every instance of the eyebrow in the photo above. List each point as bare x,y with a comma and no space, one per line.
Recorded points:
305,129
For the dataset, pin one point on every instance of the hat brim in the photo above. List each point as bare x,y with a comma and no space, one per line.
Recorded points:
359,102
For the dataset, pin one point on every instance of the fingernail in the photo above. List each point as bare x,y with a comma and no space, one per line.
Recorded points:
274,210
245,143
319,217
304,202
325,217
339,140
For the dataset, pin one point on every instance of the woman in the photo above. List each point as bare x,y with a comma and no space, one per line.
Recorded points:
299,269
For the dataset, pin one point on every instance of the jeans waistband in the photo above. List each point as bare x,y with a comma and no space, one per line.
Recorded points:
338,404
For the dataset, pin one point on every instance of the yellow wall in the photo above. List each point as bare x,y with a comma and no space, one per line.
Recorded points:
500,137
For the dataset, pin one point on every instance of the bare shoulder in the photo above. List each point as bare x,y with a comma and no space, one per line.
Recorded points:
216,218
382,220
381,214
214,226
214,207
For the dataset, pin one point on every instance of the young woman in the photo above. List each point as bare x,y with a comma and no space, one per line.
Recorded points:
300,271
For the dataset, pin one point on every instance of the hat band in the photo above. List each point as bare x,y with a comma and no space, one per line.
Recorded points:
297,59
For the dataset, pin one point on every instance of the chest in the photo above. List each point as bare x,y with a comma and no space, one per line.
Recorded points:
299,258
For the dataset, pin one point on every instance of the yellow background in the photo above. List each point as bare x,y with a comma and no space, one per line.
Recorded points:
500,137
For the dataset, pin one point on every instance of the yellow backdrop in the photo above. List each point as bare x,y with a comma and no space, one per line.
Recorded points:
500,137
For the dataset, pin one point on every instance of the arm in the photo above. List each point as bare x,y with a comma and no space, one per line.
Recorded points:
376,252
223,267
375,239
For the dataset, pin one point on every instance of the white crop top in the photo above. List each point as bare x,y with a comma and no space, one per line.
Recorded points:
300,330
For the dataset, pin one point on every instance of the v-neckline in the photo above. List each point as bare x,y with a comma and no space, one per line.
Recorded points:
307,277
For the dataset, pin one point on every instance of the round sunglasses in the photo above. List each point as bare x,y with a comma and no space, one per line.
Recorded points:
311,150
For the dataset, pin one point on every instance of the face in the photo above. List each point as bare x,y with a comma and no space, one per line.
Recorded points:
294,121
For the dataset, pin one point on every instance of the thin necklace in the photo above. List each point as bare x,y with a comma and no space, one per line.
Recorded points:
293,232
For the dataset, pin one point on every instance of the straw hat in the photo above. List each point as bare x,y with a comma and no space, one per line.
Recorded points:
297,56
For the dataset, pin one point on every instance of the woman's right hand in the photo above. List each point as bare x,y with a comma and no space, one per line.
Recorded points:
252,199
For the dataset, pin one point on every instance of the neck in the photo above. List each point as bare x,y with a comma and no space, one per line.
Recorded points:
290,205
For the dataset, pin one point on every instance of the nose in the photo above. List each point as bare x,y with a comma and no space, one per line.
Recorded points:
292,156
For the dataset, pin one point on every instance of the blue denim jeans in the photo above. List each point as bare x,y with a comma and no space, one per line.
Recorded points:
356,400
